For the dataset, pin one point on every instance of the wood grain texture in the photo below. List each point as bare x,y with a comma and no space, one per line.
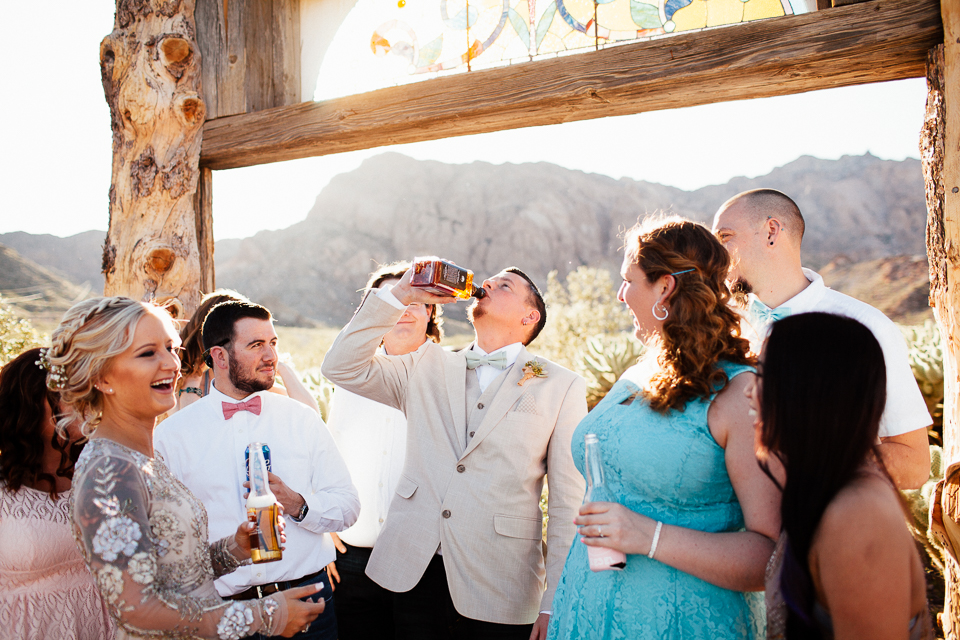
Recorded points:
868,42
940,156
150,67
204,224
251,54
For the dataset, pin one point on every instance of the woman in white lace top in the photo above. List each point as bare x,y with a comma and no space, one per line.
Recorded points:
143,534
45,588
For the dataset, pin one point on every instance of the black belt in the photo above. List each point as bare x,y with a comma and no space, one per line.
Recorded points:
263,590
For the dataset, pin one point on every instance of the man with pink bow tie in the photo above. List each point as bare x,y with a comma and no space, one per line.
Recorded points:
204,446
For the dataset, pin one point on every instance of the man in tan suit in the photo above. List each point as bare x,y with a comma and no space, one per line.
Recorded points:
462,542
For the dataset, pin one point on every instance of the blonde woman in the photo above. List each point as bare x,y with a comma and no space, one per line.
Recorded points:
143,534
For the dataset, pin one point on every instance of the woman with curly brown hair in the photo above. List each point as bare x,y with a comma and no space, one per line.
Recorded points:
690,508
45,588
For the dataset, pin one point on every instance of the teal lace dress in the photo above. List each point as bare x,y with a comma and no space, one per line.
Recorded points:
667,467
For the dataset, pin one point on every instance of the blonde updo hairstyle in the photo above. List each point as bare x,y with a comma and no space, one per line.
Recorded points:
90,335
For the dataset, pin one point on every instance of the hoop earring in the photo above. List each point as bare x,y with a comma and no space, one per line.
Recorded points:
666,312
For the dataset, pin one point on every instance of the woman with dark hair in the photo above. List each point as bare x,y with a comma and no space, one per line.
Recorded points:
689,506
845,565
45,588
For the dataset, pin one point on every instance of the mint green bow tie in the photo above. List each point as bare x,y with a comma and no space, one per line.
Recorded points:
764,314
497,360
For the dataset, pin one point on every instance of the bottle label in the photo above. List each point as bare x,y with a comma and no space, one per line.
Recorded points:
453,276
603,559
266,456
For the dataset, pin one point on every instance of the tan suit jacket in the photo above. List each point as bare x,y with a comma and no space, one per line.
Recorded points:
480,501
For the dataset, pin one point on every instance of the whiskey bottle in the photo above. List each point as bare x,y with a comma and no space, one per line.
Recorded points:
444,278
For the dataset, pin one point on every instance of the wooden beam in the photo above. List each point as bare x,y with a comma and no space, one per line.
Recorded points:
940,155
203,208
251,54
868,42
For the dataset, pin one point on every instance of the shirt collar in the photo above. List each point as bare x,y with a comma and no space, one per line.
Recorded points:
512,351
809,298
806,300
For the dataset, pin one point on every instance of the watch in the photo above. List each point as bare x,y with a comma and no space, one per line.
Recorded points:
302,513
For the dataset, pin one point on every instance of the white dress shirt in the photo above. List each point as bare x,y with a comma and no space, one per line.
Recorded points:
372,438
206,452
905,409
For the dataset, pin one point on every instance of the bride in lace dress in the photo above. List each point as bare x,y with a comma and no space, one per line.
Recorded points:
143,533
45,588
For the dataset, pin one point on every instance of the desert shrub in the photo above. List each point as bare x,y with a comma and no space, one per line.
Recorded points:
320,387
16,334
588,329
925,353
582,307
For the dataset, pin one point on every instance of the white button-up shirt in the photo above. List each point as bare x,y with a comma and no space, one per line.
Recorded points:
372,438
905,409
206,452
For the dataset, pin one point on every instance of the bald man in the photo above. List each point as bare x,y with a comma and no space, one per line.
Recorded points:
762,230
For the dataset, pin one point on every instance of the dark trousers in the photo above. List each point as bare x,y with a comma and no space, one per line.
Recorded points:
426,612
325,626
364,608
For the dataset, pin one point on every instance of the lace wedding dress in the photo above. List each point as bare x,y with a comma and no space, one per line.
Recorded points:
144,537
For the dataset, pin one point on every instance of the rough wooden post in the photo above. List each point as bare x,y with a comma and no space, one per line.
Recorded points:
940,153
150,66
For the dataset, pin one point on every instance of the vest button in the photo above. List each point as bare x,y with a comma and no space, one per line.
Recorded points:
471,433
461,468
446,513
480,406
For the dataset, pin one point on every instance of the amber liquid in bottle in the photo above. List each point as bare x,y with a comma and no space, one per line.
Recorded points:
262,510
444,278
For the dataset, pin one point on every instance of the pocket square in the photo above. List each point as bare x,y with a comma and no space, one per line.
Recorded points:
526,404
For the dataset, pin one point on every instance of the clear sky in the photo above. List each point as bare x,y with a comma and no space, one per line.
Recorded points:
56,137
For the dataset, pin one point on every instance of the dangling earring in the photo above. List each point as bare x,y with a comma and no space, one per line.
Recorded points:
666,312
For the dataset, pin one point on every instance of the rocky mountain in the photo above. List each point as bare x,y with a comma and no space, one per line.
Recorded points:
34,290
540,217
76,258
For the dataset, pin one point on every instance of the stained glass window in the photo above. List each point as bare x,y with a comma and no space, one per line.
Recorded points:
387,42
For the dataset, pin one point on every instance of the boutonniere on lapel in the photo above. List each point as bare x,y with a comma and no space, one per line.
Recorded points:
533,369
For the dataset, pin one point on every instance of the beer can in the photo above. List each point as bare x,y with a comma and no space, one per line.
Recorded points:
266,456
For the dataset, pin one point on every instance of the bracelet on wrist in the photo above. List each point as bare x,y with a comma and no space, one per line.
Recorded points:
656,539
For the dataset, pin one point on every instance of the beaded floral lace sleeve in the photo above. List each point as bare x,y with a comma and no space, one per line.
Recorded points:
222,559
122,545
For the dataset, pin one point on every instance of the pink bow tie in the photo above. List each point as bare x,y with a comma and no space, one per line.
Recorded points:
252,405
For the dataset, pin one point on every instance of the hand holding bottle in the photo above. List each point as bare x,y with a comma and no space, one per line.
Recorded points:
247,528
601,555
406,293
613,526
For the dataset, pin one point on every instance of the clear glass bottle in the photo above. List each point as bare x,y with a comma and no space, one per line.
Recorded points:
444,278
601,558
262,509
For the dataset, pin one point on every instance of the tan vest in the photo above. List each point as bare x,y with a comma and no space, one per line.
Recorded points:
477,403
